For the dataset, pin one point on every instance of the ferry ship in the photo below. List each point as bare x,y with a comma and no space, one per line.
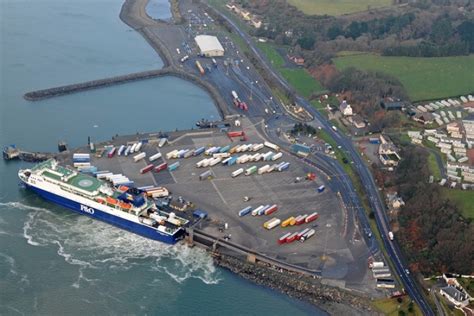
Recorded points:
124,207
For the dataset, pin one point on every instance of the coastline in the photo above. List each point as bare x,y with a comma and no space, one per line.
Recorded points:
332,300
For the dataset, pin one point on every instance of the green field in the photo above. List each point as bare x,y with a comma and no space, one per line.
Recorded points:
298,78
390,306
423,78
337,7
465,200
433,166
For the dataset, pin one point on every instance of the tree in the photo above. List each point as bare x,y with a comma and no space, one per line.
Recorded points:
334,31
306,42
466,33
442,31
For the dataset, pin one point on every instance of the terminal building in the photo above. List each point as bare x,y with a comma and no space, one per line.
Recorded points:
209,46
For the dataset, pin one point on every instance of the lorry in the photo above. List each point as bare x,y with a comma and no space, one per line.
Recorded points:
200,68
390,235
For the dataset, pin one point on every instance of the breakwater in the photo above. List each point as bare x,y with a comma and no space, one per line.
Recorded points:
93,84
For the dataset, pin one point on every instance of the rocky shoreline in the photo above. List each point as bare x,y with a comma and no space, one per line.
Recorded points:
332,300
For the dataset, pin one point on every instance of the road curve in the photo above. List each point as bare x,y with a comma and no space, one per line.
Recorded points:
367,180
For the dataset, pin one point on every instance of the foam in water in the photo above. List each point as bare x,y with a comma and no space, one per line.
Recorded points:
91,244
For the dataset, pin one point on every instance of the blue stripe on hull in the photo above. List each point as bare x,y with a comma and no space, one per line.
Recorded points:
138,229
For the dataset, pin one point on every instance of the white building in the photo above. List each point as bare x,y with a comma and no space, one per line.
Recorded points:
209,46
345,108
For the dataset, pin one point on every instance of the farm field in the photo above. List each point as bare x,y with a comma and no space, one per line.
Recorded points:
423,78
337,7
299,78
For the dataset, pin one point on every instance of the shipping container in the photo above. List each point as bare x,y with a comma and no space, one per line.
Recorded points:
283,238
205,175
245,211
81,155
225,161
287,221
321,188
277,156
308,235
263,169
188,154
147,168
173,166
155,157
138,157
160,167
256,157
274,222
139,147
81,160
312,217
127,150
182,152
237,172
199,151
272,209
250,170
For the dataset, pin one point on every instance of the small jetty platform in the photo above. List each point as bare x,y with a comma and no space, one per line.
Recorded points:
11,152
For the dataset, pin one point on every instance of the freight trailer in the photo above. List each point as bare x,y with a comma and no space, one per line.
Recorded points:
199,151
302,233
250,170
308,235
255,211
272,146
111,152
155,157
161,167
274,222
162,142
146,169
300,219
121,150
291,238
237,172
245,211
272,209
277,156
287,221
262,211
205,175
263,169
284,166
138,157
283,238
173,166
321,188
312,217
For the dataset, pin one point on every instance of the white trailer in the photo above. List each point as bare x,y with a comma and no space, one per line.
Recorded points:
138,157
272,146
237,172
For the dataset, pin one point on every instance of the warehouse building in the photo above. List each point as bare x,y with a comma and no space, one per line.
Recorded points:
209,46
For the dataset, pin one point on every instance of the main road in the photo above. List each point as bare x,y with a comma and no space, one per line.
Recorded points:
361,168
